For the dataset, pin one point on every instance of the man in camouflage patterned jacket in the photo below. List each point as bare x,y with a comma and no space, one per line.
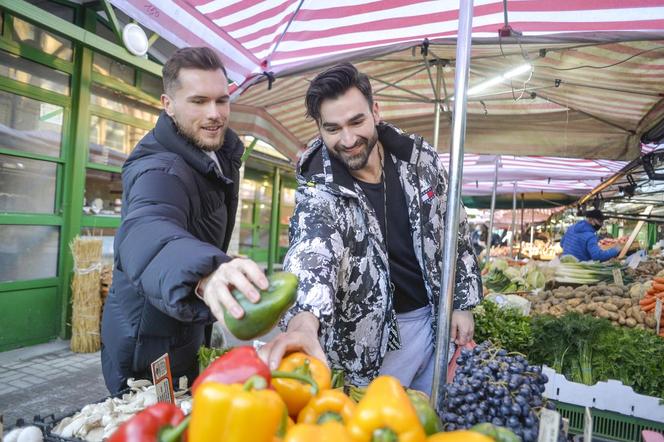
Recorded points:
366,243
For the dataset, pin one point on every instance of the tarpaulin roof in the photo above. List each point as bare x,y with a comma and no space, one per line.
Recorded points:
596,83
574,177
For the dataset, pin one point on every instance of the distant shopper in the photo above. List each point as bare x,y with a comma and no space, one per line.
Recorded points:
581,239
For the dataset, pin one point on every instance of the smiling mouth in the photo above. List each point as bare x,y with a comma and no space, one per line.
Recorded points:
212,128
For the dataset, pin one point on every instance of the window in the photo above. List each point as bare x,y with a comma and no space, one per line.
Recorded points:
26,71
29,34
29,125
28,252
115,101
285,212
27,185
151,84
103,193
111,142
112,68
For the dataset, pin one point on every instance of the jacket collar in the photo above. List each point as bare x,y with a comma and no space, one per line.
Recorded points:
168,136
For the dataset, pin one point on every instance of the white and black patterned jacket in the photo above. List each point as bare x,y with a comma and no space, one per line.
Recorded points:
338,252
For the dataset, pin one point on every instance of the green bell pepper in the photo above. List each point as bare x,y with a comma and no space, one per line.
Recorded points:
261,317
425,413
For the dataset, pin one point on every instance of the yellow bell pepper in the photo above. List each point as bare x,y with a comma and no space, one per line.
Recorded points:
295,393
327,405
385,414
459,436
235,413
330,431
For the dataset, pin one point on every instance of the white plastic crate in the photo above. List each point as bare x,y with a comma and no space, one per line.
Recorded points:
609,396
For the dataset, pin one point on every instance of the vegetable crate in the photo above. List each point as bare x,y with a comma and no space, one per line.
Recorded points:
607,424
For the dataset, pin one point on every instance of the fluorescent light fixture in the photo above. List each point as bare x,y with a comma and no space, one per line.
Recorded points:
499,79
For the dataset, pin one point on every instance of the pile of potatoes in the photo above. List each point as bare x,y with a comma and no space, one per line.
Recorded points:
619,304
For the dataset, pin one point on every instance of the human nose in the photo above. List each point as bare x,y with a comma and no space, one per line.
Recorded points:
213,111
348,138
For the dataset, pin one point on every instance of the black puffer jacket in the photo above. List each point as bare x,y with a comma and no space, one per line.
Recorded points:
178,213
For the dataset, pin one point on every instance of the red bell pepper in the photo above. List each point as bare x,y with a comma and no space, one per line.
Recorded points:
162,422
234,367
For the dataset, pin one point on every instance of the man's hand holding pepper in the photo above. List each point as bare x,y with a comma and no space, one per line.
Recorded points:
240,273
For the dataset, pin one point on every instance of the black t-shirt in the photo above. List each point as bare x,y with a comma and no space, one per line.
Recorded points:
409,290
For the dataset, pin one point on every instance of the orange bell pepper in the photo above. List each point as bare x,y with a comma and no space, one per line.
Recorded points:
327,405
295,393
385,414
330,431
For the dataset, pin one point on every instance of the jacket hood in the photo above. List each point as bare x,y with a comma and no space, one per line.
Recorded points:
170,140
319,166
583,227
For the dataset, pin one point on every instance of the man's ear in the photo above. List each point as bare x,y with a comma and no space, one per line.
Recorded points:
167,104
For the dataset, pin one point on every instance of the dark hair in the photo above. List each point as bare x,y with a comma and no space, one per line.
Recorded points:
189,58
595,214
332,83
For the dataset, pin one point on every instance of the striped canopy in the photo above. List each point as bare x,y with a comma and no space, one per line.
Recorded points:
594,89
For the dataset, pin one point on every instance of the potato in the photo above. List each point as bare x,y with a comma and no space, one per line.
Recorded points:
630,322
599,311
600,298
650,321
592,306
610,307
574,302
613,316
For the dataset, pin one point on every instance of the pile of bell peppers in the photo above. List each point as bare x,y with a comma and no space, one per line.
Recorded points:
237,398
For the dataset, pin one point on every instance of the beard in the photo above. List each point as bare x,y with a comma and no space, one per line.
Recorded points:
359,160
191,137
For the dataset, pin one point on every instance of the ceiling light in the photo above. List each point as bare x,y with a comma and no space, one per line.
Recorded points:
526,67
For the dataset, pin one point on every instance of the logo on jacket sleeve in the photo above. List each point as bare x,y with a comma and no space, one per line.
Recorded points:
427,194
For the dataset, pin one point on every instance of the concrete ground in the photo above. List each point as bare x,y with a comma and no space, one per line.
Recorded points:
50,379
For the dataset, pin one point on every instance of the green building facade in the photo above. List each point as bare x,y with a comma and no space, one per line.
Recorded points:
73,103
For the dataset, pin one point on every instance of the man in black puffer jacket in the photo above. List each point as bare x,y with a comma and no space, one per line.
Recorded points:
180,196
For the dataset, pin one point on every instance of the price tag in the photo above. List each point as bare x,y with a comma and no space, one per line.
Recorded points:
658,313
549,426
617,277
587,425
162,379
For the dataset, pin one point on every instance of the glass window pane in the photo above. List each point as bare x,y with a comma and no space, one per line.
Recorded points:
151,84
29,125
31,35
28,252
112,68
115,101
26,71
27,185
103,193
111,142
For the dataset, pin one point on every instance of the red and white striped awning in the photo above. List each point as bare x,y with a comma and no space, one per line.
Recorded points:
596,84
284,36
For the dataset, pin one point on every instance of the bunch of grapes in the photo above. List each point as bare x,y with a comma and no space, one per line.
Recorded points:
492,385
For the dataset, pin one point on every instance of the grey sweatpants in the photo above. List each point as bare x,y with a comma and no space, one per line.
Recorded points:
413,363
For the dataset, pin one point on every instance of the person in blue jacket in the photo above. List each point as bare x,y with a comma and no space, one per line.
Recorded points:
581,239
180,185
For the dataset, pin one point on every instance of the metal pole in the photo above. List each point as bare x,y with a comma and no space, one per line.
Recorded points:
493,212
522,226
436,123
273,241
532,225
513,235
447,276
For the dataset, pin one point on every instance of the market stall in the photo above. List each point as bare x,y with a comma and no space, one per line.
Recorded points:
501,392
